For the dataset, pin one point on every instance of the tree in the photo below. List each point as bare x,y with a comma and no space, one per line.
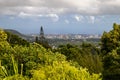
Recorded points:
86,56
111,64
15,39
110,49
3,35
63,71
110,40
34,62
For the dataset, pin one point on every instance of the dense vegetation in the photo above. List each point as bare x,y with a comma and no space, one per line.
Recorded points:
87,55
15,39
33,62
110,49
57,42
21,60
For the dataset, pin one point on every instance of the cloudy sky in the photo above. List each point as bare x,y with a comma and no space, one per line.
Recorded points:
59,16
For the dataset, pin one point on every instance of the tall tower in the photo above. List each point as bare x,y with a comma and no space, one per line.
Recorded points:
41,33
41,39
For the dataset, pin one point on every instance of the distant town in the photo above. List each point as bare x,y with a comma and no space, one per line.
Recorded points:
55,40
70,36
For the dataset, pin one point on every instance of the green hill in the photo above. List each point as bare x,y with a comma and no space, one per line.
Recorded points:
26,37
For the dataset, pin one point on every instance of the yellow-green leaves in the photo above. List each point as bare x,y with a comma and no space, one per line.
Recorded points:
3,35
38,63
63,71
3,71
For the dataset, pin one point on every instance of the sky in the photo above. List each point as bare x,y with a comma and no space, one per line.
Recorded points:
59,16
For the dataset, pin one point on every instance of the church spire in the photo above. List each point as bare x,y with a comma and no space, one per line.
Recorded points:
41,33
41,39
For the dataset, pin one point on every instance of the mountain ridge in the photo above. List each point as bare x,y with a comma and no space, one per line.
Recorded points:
26,37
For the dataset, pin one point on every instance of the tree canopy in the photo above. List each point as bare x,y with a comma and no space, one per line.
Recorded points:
34,62
111,53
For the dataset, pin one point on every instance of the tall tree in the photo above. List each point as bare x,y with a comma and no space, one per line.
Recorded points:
111,53
111,40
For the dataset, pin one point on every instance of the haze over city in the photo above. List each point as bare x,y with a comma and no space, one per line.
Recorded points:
59,16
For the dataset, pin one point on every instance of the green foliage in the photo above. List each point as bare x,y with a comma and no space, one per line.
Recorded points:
4,45
43,42
3,71
110,40
16,77
16,40
86,56
112,66
15,65
63,71
111,53
34,62
3,35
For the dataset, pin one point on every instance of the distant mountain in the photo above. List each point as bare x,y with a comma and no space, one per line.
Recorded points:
26,37
14,32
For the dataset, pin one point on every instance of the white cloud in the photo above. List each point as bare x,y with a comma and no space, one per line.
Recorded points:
53,17
89,19
82,7
79,18
22,14
92,19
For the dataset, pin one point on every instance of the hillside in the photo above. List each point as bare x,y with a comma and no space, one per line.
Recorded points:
26,37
